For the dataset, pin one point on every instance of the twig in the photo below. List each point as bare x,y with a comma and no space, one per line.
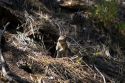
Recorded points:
4,71
100,74
5,27
61,29
44,47
3,62
81,53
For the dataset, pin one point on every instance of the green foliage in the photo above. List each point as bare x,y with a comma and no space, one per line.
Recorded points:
98,53
121,25
106,11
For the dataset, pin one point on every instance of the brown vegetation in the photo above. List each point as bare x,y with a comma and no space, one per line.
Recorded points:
29,43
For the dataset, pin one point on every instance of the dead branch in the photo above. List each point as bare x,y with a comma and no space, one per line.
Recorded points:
5,70
100,74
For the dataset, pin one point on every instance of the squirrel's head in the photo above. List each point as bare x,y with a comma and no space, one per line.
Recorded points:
62,39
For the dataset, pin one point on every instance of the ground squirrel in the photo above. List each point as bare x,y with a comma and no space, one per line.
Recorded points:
62,47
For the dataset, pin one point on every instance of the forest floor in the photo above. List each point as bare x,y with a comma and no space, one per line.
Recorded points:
29,44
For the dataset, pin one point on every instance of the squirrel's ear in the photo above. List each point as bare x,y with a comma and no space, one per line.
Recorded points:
64,36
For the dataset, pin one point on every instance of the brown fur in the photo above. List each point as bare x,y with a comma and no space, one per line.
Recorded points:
62,47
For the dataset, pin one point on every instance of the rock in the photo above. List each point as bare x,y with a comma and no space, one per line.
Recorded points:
75,4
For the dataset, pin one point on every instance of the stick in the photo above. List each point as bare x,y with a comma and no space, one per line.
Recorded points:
100,74
3,62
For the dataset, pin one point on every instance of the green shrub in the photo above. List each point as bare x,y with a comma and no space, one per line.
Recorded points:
121,25
106,11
